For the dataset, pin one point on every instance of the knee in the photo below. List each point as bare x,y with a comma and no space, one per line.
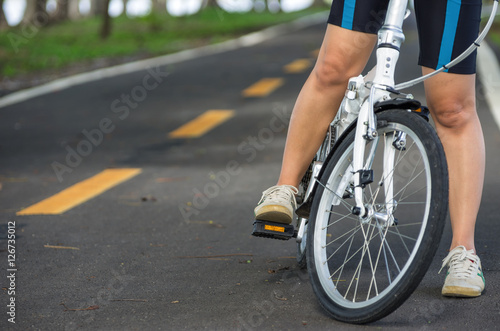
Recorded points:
454,115
329,73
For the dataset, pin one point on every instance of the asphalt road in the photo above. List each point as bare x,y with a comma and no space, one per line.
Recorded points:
169,246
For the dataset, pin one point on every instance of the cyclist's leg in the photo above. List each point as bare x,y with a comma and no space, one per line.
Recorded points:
343,54
451,98
446,29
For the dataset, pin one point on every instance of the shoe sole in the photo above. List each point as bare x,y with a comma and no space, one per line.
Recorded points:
275,214
460,292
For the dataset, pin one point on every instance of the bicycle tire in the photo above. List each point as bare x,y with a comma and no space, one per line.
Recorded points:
391,260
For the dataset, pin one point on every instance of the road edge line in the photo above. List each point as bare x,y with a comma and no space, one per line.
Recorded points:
248,40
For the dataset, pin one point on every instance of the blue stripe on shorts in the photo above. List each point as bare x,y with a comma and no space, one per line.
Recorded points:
348,14
450,29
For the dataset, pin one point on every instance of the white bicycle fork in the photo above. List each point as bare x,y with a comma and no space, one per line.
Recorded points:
390,38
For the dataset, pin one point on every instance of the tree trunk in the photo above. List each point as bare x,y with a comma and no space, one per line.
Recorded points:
73,9
125,3
62,11
212,3
3,20
159,6
106,24
35,13
99,7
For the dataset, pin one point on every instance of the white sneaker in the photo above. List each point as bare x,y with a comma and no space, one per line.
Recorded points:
465,276
277,204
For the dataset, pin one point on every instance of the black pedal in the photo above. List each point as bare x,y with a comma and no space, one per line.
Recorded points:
273,230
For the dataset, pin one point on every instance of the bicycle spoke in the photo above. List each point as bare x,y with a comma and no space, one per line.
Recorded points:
387,266
350,238
349,259
401,237
342,201
374,281
407,184
390,251
346,216
412,194
356,229
342,267
366,251
411,176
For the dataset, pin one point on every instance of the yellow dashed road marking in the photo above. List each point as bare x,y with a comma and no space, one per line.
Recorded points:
263,88
298,66
80,192
202,124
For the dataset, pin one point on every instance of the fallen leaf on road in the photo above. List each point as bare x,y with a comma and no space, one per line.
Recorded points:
279,297
79,309
273,271
176,301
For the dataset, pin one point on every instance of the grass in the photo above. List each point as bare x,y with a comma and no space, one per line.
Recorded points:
31,50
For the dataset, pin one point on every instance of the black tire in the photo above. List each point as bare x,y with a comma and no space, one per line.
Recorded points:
368,284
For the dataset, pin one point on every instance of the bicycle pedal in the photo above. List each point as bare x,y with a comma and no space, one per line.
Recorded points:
273,230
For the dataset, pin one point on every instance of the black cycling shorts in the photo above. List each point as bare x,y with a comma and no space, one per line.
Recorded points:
445,27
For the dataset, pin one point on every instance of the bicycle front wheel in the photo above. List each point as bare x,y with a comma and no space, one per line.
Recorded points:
363,268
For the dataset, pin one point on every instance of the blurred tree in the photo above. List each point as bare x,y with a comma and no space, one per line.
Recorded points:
73,9
3,20
62,10
319,3
125,3
212,3
273,6
160,6
35,12
99,7
106,24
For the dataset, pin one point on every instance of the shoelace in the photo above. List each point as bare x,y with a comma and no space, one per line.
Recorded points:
462,264
281,192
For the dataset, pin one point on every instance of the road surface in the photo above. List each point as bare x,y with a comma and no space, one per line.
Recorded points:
129,214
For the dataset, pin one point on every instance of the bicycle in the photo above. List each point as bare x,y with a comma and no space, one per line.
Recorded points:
375,196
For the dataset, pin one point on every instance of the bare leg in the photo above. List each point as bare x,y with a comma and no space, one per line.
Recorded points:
451,98
343,55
